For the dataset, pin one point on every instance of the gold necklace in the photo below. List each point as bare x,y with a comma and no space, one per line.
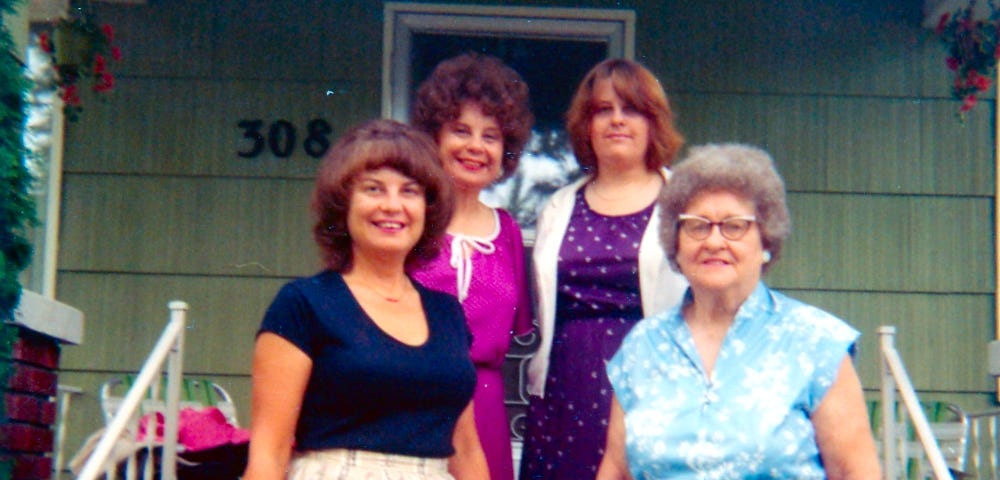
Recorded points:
388,298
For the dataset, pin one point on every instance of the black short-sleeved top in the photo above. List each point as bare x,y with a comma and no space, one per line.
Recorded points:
367,390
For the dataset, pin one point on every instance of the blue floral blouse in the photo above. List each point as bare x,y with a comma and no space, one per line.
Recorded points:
751,418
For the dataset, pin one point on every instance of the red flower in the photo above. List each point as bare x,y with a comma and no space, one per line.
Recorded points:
71,96
95,75
104,83
968,103
44,42
942,22
952,63
979,82
99,64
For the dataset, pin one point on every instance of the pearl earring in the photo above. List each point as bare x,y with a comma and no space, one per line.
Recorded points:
767,256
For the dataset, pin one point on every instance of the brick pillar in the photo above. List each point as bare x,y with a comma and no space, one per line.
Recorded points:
28,380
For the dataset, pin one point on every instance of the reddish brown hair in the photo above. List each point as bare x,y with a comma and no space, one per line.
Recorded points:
486,81
638,88
371,146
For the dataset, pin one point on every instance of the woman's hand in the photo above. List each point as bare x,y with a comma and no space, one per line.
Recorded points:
469,461
843,433
614,465
280,374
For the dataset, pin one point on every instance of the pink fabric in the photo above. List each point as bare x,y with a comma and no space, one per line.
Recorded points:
198,429
498,304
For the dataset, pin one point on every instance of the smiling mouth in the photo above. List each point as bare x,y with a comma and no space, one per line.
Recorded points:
472,164
389,225
714,262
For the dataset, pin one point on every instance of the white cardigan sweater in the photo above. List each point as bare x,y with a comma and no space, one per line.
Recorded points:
659,286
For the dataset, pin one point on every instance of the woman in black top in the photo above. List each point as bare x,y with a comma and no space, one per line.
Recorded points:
358,370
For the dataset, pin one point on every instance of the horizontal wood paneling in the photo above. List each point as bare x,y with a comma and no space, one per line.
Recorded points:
196,131
867,48
941,338
126,313
296,40
853,144
888,243
215,226
891,196
187,226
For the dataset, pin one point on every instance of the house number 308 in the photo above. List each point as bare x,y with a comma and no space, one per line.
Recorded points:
280,138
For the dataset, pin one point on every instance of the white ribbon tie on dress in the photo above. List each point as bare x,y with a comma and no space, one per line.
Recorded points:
462,263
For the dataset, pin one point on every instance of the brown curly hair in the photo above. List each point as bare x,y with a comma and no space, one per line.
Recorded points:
638,88
370,146
487,81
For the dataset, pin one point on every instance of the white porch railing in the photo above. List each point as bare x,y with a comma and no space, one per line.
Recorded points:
894,444
169,350
984,444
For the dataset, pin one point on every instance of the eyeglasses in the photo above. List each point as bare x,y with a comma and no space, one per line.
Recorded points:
699,228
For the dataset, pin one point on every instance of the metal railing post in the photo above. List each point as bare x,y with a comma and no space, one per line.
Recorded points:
170,341
899,377
889,454
175,372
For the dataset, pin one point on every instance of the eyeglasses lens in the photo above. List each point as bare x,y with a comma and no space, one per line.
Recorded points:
700,229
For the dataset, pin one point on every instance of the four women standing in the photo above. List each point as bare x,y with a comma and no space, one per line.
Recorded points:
360,371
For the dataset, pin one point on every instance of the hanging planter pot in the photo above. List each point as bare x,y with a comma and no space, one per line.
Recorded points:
82,52
73,50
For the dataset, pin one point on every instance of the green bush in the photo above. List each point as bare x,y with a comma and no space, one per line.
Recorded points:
17,208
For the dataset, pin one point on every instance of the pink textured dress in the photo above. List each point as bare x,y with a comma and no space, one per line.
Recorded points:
492,285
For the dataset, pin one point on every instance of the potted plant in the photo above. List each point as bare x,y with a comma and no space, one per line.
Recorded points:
82,52
972,46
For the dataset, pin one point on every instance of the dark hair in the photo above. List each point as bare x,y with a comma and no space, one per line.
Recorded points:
739,169
370,146
486,81
639,89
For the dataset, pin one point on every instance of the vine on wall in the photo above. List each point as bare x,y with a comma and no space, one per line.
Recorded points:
17,208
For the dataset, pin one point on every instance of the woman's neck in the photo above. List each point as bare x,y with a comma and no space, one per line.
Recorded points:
714,307
471,217
390,271
623,191
618,176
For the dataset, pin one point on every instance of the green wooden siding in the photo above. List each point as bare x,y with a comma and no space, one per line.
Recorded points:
892,197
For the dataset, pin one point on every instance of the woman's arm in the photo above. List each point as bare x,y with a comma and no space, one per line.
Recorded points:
469,461
843,434
280,374
614,465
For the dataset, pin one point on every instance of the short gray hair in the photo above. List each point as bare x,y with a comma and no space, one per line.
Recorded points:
730,167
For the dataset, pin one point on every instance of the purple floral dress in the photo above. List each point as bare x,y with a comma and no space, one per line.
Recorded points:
597,303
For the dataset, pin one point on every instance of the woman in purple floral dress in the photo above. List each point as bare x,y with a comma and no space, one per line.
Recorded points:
598,265
476,108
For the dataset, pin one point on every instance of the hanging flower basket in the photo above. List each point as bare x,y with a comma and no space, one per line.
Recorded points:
81,52
972,52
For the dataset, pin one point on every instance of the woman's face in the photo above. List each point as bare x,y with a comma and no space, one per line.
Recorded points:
718,264
386,213
618,131
471,148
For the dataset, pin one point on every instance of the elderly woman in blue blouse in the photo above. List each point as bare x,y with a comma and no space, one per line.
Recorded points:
738,380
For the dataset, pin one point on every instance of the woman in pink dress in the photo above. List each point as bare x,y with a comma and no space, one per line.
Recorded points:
477,110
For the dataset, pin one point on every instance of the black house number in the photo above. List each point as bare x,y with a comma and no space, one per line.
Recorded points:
280,137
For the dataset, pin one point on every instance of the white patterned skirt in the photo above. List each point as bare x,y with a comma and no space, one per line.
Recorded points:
343,464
